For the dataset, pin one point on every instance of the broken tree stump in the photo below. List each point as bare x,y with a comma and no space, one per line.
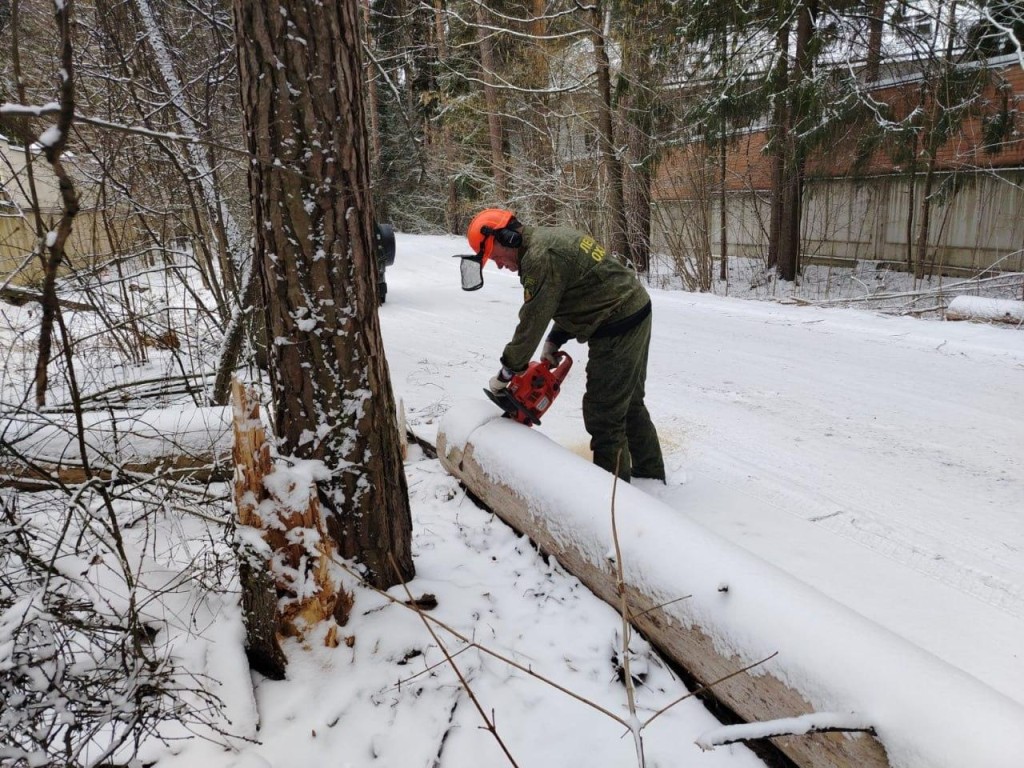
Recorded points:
287,566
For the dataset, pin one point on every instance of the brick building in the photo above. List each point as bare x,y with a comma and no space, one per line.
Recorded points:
869,210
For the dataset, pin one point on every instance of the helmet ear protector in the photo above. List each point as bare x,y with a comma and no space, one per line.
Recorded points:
507,236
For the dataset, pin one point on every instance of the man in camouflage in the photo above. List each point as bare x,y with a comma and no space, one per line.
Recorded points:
570,279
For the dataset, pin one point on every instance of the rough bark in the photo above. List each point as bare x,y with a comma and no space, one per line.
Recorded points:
487,60
301,84
609,155
234,337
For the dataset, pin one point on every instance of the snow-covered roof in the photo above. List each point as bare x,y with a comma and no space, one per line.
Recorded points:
15,191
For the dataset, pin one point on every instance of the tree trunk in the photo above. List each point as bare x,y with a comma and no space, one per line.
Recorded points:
501,188
612,167
916,149
876,24
792,180
924,225
227,236
259,611
234,336
780,142
372,106
301,85
537,139
933,137
54,150
723,199
451,210
908,231
637,199
635,108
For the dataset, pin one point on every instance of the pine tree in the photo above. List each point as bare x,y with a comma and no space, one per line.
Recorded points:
302,82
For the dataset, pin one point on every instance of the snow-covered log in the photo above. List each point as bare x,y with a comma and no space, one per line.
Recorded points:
739,609
40,447
981,309
18,296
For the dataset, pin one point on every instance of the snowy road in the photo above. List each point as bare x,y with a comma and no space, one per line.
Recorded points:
875,458
877,428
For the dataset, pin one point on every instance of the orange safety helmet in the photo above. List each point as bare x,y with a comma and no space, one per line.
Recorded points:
492,220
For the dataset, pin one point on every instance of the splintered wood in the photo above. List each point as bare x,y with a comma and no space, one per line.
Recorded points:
301,549
403,434
251,453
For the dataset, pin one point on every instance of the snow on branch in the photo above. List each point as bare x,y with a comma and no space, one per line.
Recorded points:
817,722
29,110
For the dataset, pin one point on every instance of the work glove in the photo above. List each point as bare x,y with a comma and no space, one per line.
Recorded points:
549,353
499,382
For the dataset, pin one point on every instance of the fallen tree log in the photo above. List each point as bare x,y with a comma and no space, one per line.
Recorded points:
17,296
984,310
38,449
739,609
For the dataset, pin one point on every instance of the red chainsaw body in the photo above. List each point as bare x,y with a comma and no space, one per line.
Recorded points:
529,394
535,389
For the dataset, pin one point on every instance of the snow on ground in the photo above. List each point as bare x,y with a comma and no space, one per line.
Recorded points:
925,711
897,435
387,697
873,458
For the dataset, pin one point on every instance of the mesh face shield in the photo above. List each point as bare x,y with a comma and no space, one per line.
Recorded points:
472,272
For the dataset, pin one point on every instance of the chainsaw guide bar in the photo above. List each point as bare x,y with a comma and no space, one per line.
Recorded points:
512,409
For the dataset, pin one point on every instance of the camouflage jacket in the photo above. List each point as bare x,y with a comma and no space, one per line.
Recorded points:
568,277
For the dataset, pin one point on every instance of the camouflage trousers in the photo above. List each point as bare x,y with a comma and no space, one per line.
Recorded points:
621,431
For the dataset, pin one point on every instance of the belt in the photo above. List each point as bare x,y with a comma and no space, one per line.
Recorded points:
619,327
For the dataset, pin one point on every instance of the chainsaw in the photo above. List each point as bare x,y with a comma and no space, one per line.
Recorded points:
529,394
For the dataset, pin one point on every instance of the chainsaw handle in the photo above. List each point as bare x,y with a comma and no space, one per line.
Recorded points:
560,356
561,370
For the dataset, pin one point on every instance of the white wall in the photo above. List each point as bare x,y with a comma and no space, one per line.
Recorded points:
978,227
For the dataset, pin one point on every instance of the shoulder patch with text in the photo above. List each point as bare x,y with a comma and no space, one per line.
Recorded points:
592,248
529,288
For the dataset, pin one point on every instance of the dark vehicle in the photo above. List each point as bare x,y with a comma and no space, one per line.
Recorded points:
385,243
